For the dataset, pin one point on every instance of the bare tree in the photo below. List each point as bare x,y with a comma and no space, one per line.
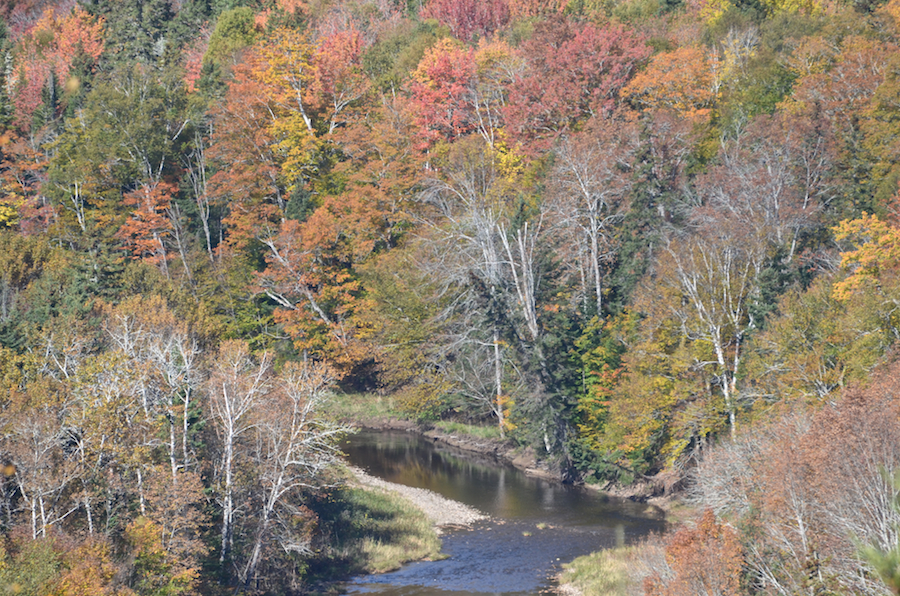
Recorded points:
294,446
236,384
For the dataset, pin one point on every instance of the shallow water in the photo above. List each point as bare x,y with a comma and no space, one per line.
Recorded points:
536,525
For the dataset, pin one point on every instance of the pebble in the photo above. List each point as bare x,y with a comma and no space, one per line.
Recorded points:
440,510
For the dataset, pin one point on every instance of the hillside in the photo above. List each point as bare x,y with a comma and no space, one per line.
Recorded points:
642,238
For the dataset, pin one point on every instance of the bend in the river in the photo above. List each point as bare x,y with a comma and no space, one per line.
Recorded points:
536,526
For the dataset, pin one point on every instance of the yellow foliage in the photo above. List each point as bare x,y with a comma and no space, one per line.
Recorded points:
510,162
9,209
812,55
877,253
892,10
286,72
809,7
505,403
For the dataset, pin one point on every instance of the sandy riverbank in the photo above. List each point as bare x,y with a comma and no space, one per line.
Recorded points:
443,512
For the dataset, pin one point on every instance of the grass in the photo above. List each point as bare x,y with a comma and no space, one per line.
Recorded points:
363,406
356,407
603,573
371,532
477,432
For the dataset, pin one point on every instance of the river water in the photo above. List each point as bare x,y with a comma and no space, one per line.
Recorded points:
535,526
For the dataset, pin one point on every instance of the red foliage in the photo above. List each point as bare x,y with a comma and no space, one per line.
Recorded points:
468,18
339,79
573,71
440,91
51,47
193,59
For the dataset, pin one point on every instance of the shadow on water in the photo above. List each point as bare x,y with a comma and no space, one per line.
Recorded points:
536,525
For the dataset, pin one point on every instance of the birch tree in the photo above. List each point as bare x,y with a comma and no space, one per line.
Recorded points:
235,386
293,448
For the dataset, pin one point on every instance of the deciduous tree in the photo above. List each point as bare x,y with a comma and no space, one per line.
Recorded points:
573,71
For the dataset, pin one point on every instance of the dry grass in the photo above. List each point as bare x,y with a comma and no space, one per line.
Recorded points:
374,531
613,572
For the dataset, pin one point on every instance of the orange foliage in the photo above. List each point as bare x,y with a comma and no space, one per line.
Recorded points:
247,182
145,231
89,570
309,274
22,171
705,559
683,80
50,48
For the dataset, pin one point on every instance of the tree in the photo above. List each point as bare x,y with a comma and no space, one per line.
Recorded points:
146,231
295,445
487,254
339,81
874,258
48,54
705,559
684,80
573,71
592,184
247,182
774,177
718,275
440,91
523,9
843,93
810,487
468,19
236,384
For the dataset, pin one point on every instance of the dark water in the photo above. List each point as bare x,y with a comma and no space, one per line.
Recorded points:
536,525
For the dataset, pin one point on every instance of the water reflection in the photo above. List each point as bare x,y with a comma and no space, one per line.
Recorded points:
537,525
499,490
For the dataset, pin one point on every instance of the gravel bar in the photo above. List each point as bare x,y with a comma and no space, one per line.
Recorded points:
440,510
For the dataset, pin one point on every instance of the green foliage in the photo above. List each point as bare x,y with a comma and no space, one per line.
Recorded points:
30,567
393,57
235,30
136,29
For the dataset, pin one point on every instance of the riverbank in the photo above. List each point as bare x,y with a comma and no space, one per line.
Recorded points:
442,512
502,449
379,412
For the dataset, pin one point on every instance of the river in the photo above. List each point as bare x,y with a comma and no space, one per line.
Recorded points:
536,525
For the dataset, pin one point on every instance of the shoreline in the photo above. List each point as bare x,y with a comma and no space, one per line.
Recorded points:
443,512
644,492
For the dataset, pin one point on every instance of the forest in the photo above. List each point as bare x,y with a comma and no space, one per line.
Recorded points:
646,239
